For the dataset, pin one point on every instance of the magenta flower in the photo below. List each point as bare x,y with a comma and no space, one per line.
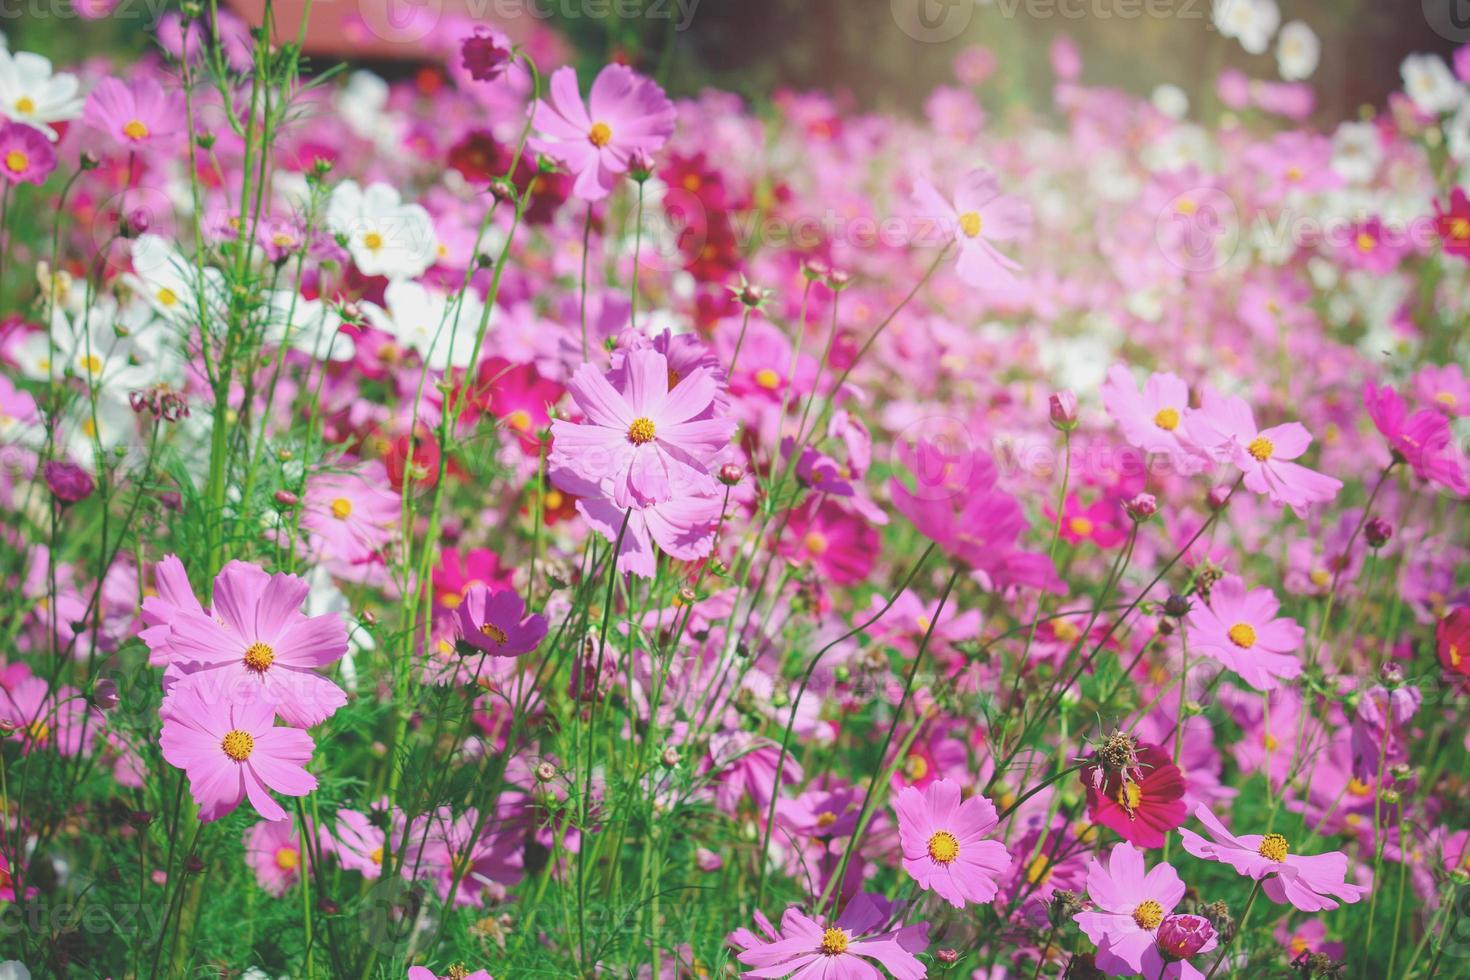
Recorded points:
232,751
258,645
67,481
1178,938
1242,631
626,115
26,155
809,948
486,53
496,622
980,215
944,842
1311,883
1154,419
134,115
643,444
1225,427
1424,440
1131,904
1140,805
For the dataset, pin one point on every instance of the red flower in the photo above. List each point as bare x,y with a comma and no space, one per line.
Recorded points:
1142,809
1452,638
1453,224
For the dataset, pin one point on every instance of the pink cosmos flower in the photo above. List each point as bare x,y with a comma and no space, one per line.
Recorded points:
1453,223
980,215
1155,419
230,751
1225,427
1242,631
273,851
26,155
837,542
1424,440
350,517
1311,883
643,444
39,719
496,622
1444,386
135,114
626,115
257,645
944,842
1099,522
1130,905
358,843
809,948
424,973
173,595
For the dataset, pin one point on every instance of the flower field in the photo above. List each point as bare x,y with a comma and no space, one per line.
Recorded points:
501,519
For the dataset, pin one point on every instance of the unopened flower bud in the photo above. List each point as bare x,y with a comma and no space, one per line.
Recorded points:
1377,531
545,772
1176,606
104,694
947,955
1142,507
1217,497
1391,674
1063,408
140,818
67,481
731,474
285,499
1181,936
670,757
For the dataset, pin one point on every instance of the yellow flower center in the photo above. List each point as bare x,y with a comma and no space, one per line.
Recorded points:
238,744
167,297
768,379
1366,242
1167,419
16,161
1321,577
1261,449
1460,229
39,731
1242,635
916,768
641,431
834,942
826,819
970,224
90,364
1357,787
600,134
376,856
259,657
1293,173
341,508
1130,796
943,847
1039,870
1081,526
135,130
1273,848
1447,399
495,633
1186,206
1149,915
25,105
520,420
815,542
287,858
1270,742
372,241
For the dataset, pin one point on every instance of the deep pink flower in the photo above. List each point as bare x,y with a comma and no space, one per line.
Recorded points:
496,622
257,645
1424,440
839,543
1098,522
1141,805
1453,224
1242,631
810,948
1225,427
625,114
945,845
643,444
955,503
231,750
1130,906
1178,938
1311,883
135,114
68,482
486,53
26,155
980,215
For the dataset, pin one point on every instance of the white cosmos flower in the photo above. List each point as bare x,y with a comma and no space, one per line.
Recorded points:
169,281
1430,84
1298,51
94,347
1357,151
1251,22
30,93
1171,100
385,236
307,325
436,325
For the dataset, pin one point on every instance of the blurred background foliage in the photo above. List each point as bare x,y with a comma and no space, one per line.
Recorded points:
857,48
